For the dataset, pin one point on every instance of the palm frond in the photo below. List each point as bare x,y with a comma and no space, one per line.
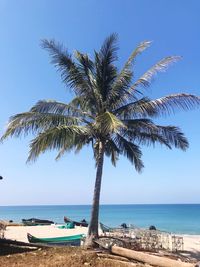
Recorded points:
174,137
139,49
79,140
76,102
147,139
137,124
112,151
51,106
169,104
106,72
35,122
55,138
161,106
139,108
126,70
108,123
161,66
70,73
145,132
119,93
109,48
131,151
86,66
122,92
85,63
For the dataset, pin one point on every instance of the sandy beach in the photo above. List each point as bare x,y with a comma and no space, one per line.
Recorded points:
76,256
19,233
191,242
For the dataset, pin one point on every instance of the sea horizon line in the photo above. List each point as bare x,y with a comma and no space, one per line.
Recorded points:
104,204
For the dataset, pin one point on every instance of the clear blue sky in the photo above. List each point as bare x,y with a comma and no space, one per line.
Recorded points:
26,76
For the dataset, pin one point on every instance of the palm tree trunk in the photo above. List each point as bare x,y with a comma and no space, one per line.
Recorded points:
93,226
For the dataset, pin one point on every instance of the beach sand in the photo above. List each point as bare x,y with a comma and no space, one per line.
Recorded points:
19,233
192,244
70,256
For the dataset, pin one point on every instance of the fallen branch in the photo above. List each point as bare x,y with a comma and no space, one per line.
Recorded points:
149,259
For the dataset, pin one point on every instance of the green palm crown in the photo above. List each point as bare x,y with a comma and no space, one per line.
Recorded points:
108,107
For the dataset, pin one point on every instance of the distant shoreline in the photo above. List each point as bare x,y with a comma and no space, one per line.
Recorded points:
139,204
175,218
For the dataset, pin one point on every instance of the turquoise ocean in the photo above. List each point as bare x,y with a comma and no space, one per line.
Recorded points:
183,218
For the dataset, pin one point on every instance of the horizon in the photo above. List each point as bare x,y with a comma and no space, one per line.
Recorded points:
115,204
27,76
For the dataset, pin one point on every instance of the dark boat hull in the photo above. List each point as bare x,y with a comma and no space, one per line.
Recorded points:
34,221
68,220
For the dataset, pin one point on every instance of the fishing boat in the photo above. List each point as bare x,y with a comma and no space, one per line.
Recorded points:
34,221
73,240
81,223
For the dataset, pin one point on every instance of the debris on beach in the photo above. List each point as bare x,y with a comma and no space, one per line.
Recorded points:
117,247
79,257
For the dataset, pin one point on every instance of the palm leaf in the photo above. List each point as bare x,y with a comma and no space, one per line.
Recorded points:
139,108
126,74
119,93
34,123
70,73
55,138
169,104
139,49
108,123
51,106
131,151
106,72
107,53
161,66
86,67
79,140
161,106
174,136
112,151
145,132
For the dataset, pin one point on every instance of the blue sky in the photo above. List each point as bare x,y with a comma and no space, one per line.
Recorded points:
26,76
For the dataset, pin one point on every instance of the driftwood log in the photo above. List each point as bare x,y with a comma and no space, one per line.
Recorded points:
149,259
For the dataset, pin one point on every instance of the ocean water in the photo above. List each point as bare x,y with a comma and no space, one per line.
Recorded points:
183,218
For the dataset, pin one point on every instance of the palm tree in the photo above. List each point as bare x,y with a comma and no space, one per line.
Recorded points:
108,111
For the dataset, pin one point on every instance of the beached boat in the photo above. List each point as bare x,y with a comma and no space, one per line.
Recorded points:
73,240
81,223
34,221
